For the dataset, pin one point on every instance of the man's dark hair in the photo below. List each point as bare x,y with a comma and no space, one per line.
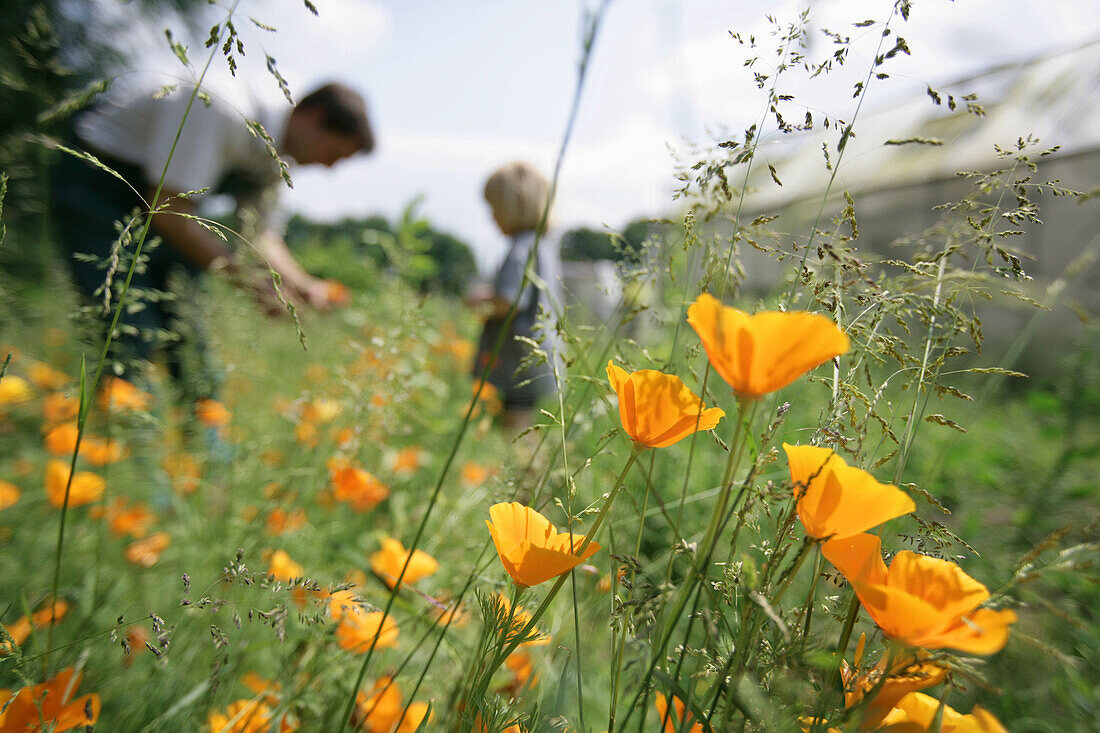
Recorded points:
343,111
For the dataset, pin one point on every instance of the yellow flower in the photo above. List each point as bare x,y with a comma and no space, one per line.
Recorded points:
920,601
14,390
836,500
765,352
86,487
917,712
321,410
9,494
49,703
657,409
530,548
358,629
387,563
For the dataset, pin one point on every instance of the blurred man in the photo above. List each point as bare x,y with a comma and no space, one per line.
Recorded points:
220,149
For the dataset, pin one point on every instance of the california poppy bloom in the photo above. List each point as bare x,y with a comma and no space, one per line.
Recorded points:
673,722
380,711
918,712
21,629
765,352
337,293
134,520
280,521
354,485
248,716
358,629
836,500
321,410
907,673
184,470
920,601
9,494
474,474
45,377
119,394
50,702
283,568
146,552
658,409
14,390
212,413
388,561
530,547
61,441
86,488
59,407
407,460
520,618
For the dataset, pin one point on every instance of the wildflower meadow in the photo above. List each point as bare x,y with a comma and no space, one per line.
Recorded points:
827,506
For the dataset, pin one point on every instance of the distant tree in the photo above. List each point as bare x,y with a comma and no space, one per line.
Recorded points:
583,244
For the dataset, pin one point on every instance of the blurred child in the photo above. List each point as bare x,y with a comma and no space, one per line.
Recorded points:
517,194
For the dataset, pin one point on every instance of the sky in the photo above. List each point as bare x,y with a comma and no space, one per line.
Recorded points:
457,89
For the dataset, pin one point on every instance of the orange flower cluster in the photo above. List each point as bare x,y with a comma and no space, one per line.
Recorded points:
280,521
530,547
906,674
212,413
45,377
49,702
383,711
14,390
920,601
356,486
118,394
146,552
673,721
125,519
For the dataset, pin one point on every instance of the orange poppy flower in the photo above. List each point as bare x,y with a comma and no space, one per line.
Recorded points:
920,601
836,500
918,712
530,547
134,520
61,441
45,377
9,494
280,521
119,394
211,413
520,619
445,611
14,390
184,470
388,561
762,353
321,410
907,674
49,702
337,293
248,716
380,711
307,434
146,552
522,667
262,686
673,722
86,488
657,409
282,568
407,460
59,407
358,629
474,474
22,628
354,485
